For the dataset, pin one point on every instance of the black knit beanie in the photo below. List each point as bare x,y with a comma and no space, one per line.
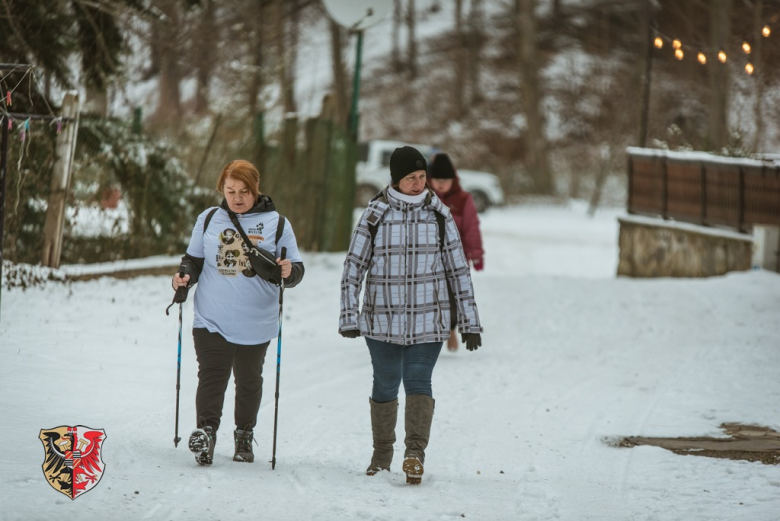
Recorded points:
441,167
404,161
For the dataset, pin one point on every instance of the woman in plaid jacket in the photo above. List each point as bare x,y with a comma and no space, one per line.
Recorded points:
408,249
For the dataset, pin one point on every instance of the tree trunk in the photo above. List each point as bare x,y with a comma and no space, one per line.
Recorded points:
293,30
459,81
340,95
644,70
286,68
208,32
412,40
476,38
169,104
720,36
536,159
397,20
256,83
758,24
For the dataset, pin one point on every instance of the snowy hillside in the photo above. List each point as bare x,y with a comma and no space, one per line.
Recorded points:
572,357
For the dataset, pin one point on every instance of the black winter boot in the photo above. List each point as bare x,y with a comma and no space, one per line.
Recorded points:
383,418
202,443
244,440
419,415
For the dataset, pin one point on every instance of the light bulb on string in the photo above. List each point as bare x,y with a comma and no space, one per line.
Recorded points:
702,59
679,54
749,68
746,47
766,31
658,42
676,43
722,56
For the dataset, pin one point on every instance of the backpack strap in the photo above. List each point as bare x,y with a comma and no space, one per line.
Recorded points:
373,226
208,218
442,230
280,228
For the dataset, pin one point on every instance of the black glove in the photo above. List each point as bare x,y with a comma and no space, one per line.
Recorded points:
472,340
350,333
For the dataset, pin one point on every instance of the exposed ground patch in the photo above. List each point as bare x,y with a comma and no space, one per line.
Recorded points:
745,442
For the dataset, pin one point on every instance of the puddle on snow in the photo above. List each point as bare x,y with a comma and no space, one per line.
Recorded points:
745,442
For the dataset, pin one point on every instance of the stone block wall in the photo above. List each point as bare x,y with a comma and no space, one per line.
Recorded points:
658,248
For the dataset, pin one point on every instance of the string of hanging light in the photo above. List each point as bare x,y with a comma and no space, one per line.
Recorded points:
661,40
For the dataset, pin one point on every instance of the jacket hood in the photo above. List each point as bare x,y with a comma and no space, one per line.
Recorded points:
263,204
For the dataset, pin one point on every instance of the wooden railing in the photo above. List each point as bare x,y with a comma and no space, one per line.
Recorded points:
701,188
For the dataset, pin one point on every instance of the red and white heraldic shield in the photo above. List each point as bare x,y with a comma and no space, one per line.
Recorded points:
73,462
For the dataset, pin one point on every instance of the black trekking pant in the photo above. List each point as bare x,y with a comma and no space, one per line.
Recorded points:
216,359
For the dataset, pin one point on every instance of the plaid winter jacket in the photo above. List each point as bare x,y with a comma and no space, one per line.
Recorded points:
406,299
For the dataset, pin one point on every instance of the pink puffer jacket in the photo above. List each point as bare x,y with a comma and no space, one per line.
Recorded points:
464,212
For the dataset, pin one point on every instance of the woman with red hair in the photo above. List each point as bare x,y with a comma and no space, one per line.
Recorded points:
236,310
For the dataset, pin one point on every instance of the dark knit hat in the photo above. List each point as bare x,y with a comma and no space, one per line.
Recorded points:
441,167
404,161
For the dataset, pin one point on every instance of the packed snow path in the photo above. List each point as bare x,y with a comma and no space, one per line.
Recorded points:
572,357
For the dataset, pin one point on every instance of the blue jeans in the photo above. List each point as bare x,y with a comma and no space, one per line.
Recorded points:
393,363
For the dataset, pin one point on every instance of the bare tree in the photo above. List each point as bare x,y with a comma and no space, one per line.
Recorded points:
167,44
459,81
397,20
283,10
760,78
205,53
720,35
411,39
257,45
476,37
340,99
536,158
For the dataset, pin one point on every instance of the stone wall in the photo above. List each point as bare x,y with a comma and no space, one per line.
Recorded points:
657,248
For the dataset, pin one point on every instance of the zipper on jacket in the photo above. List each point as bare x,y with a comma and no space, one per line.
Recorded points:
407,333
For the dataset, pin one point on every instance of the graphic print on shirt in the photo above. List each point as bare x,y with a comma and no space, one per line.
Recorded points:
233,254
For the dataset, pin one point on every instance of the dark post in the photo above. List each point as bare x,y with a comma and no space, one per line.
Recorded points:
742,226
664,189
703,193
3,161
630,183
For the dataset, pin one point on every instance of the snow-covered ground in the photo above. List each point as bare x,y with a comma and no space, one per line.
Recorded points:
572,356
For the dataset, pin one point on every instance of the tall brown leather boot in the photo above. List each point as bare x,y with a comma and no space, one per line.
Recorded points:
419,415
383,418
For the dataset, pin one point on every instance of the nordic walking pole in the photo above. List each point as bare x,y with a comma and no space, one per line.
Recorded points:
278,364
179,297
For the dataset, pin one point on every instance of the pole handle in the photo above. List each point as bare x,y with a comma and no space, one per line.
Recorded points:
181,293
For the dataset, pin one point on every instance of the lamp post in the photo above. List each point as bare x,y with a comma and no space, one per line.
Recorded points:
357,16
353,110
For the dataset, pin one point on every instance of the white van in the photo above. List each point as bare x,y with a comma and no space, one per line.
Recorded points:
373,174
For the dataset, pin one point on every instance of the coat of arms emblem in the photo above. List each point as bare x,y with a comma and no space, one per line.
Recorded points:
73,464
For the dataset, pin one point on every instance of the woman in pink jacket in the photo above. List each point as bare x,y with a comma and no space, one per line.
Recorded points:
443,178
